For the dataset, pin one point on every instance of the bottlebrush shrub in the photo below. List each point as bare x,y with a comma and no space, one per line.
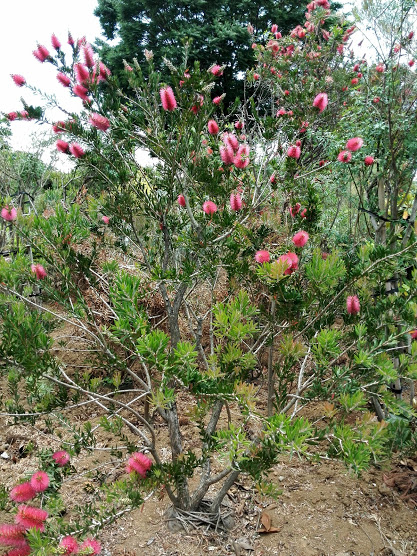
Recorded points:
169,334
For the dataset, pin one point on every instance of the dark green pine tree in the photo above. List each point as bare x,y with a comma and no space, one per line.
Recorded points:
218,32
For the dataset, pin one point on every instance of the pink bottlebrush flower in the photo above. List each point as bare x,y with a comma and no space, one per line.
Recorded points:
12,535
369,160
273,179
380,68
217,100
326,35
76,150
300,238
295,210
139,462
354,144
352,305
413,334
294,152
24,114
226,154
55,42
29,517
241,159
281,112
41,53
235,201
216,70
209,207
9,214
62,146
81,73
11,116
70,39
239,125
344,156
303,213
262,256
91,544
213,128
256,76
410,35
356,67
104,71
168,99
274,29
69,544
340,49
321,101
80,91
23,550
58,127
105,219
22,492
354,81
291,260
99,121
231,140
61,458
88,55
63,79
181,200
19,80
376,100
39,480
411,63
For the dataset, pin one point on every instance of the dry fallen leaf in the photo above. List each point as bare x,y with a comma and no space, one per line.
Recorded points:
266,521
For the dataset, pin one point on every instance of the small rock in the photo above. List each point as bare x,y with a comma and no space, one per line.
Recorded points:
5,455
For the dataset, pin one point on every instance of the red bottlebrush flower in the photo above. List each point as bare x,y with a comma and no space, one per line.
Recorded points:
229,139
340,49
216,70
298,143
209,207
295,210
369,160
413,334
303,213
352,305
181,200
376,100
91,544
61,458
168,99
55,42
22,492
411,63
76,150
326,35
70,39
239,125
63,79
104,71
9,214
29,517
88,55
226,154
24,114
344,156
58,127
213,128
274,29
19,80
241,159
354,144
300,238
12,535
380,68
294,152
23,550
99,121
39,480
410,35
273,179
235,201
80,91
217,100
256,76
62,146
105,219
281,112
81,73
292,261
262,256
41,53
69,544
321,101
11,116
354,81
356,67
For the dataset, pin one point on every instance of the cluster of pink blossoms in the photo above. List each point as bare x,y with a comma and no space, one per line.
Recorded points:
139,463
